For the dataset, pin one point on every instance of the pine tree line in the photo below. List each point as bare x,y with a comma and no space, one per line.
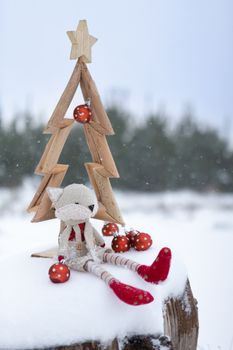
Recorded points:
149,156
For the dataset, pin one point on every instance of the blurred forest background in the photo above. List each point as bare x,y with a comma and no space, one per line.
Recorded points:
150,156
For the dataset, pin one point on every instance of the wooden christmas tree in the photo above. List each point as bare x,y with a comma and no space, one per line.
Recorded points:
102,167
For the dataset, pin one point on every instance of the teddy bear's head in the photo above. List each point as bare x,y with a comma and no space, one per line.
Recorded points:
74,204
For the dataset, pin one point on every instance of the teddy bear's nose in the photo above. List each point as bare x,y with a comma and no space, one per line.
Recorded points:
91,207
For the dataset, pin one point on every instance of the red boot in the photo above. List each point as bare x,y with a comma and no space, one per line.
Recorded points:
129,294
159,270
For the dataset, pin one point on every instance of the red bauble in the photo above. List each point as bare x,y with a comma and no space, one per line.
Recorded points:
82,114
131,235
142,241
120,244
109,229
59,273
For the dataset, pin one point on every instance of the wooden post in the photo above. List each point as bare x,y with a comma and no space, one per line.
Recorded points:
181,320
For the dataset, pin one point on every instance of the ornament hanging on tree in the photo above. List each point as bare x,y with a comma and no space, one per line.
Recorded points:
142,241
109,229
82,113
120,244
59,273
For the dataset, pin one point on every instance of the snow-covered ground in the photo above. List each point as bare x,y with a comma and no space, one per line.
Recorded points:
197,227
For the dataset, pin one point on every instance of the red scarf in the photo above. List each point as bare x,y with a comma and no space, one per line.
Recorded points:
72,233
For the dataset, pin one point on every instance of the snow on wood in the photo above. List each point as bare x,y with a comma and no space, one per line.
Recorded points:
42,314
197,226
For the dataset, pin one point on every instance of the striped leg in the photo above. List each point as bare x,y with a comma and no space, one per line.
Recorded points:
128,294
97,270
155,273
119,260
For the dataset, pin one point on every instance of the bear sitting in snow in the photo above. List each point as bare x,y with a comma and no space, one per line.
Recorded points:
82,248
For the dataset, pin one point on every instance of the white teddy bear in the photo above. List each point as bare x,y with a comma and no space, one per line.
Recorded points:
82,248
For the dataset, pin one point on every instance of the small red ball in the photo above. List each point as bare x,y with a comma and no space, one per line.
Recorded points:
59,273
132,236
109,229
120,244
82,114
142,241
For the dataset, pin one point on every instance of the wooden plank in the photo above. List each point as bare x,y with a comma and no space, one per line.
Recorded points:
36,200
41,201
181,320
49,178
40,165
103,215
52,151
100,151
96,126
60,168
58,125
86,96
32,209
107,197
91,144
43,213
90,171
103,128
90,91
104,193
94,123
65,99
106,158
50,253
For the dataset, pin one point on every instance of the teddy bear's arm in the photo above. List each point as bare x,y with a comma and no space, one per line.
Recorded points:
98,238
63,241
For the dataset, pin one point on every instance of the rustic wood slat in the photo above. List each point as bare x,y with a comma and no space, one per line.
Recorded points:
104,193
52,151
65,99
44,210
49,179
90,91
95,122
181,320
50,254
100,151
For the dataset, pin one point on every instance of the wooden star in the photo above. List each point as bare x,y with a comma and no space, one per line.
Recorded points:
82,42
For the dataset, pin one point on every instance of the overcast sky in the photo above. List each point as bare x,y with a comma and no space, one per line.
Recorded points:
158,54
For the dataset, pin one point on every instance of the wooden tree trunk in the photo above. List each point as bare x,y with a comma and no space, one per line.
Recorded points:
180,330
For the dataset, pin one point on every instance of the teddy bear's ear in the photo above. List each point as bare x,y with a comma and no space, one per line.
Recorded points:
54,193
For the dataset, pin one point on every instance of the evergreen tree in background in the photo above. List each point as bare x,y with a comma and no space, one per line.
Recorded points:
149,156
203,160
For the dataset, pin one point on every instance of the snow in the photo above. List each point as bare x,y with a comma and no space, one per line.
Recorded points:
37,313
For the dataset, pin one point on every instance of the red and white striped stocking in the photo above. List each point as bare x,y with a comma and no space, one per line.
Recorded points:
97,270
128,294
119,260
155,273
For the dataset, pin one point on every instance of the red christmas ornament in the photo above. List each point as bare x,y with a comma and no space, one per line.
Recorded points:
82,114
59,273
142,241
109,229
132,236
120,244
